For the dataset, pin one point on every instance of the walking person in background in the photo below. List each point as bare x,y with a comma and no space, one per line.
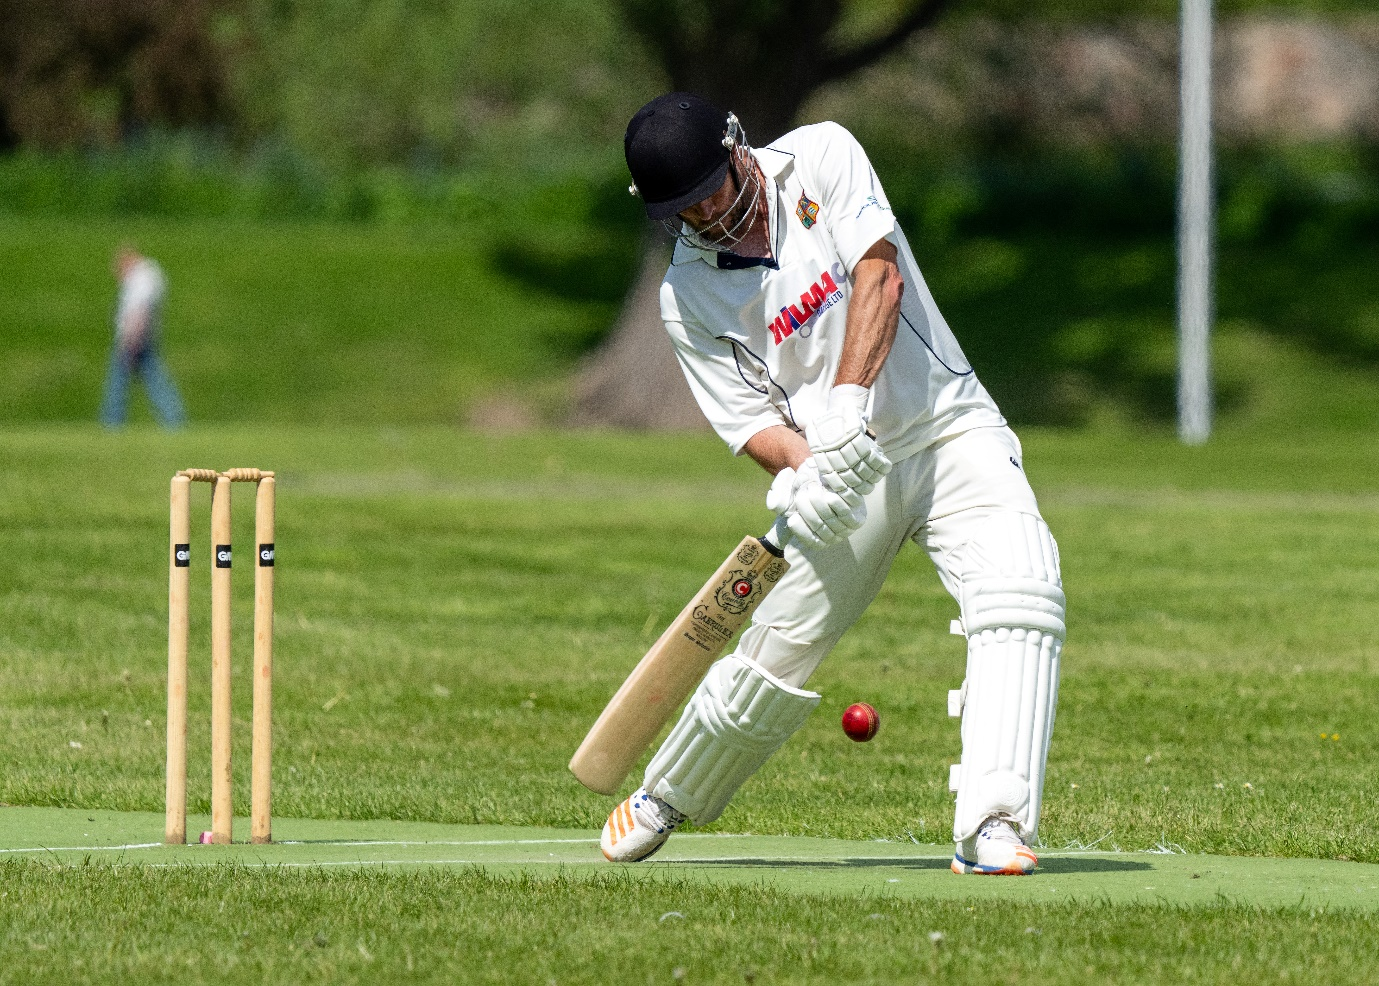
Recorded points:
138,315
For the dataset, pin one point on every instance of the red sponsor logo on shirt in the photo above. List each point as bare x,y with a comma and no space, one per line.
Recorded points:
822,295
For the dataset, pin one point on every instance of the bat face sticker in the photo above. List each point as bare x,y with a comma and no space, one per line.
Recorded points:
736,591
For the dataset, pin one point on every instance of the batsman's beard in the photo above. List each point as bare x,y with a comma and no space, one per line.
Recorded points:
738,220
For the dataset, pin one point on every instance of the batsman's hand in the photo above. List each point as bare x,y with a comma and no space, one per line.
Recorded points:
848,456
814,513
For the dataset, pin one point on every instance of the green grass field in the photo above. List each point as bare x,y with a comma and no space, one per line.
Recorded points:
475,903
453,610
286,322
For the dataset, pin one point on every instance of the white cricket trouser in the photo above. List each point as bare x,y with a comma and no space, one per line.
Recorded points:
938,498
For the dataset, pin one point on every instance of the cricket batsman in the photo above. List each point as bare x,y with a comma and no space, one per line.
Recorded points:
812,344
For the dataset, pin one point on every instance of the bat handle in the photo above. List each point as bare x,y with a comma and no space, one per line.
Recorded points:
775,539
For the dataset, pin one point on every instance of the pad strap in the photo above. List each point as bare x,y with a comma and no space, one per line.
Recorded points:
738,716
1031,603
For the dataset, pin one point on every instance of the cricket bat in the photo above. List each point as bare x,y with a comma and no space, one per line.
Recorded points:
678,661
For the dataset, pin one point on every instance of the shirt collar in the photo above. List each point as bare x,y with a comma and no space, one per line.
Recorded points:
774,163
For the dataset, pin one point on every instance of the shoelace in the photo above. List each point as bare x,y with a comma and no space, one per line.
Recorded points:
1000,830
657,813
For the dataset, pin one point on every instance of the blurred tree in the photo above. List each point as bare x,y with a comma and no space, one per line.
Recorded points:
762,59
75,72
440,84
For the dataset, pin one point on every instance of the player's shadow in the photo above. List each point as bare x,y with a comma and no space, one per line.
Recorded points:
907,862
1089,864
1080,864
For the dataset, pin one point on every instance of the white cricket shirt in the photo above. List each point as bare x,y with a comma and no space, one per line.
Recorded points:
760,344
143,288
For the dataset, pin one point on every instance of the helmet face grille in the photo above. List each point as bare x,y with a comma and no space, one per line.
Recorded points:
729,229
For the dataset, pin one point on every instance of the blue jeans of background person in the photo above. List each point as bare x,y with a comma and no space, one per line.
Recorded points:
162,392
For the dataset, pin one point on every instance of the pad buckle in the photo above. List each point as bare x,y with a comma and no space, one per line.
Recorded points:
957,698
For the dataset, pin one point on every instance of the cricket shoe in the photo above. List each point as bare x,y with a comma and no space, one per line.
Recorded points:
638,827
996,850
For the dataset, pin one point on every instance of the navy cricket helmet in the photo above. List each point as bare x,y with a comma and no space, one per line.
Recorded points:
676,152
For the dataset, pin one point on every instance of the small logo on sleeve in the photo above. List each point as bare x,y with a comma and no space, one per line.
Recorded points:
872,202
266,555
182,555
222,556
807,210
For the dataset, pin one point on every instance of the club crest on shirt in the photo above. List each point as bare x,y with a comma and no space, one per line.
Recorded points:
807,210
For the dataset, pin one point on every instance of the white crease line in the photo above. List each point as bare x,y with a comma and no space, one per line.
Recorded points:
370,862
333,862
439,842
291,842
587,841
132,845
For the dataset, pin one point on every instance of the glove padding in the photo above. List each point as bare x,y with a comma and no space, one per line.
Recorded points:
814,513
847,456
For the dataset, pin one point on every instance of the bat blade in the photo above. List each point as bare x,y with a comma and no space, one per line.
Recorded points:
676,663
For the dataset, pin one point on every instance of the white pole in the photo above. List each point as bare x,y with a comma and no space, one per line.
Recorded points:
1195,225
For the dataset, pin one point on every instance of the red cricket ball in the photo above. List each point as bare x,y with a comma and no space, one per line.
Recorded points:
860,722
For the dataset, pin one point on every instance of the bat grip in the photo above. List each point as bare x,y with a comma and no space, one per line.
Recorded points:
775,539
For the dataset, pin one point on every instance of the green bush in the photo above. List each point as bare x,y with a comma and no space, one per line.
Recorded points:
1265,194
181,177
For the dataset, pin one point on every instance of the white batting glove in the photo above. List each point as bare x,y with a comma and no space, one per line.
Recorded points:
814,513
848,457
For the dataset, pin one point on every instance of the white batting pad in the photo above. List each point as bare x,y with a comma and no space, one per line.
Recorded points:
1013,613
738,716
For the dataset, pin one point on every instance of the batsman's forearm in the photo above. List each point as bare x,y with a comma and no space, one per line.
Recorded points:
777,448
873,315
